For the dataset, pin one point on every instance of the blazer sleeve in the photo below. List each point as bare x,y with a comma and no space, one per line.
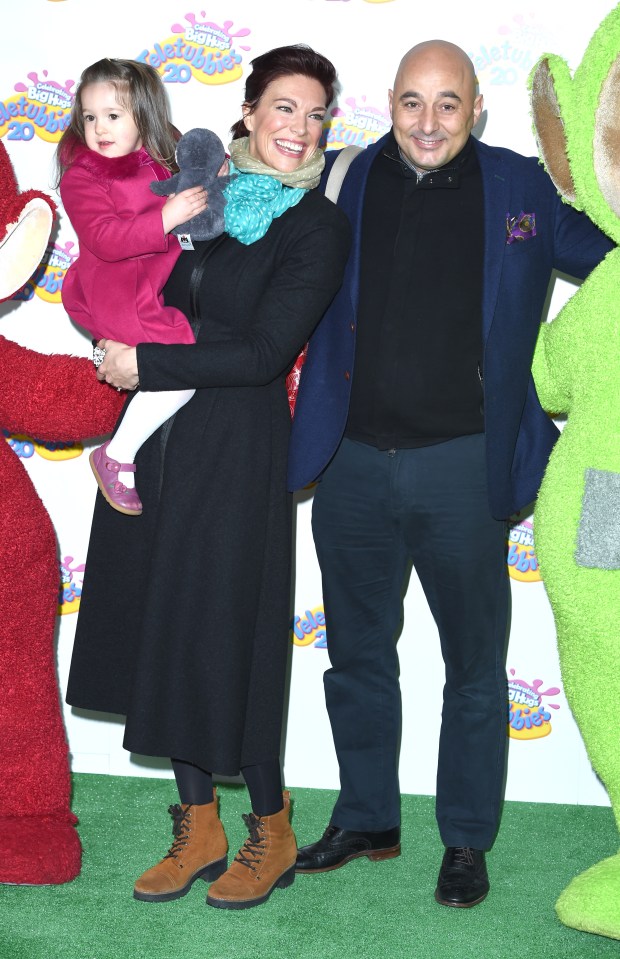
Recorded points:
300,290
579,244
108,235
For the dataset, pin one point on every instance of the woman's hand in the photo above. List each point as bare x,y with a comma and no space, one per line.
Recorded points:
180,207
120,365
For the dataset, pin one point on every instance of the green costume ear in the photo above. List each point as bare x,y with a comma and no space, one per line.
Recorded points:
547,115
607,138
577,125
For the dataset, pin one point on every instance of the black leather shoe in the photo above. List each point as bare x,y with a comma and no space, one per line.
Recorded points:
338,846
463,879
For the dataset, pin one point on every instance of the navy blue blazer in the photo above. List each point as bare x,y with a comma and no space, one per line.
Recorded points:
519,434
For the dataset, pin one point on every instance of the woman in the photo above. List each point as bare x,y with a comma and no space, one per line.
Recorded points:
184,615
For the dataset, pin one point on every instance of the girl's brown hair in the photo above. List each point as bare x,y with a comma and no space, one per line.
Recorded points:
140,90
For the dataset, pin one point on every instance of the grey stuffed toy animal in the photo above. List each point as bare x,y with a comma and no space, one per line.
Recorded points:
200,154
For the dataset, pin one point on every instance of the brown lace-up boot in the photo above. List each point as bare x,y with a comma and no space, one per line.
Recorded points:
266,861
198,852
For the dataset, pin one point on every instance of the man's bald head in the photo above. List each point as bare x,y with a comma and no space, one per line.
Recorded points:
434,103
436,52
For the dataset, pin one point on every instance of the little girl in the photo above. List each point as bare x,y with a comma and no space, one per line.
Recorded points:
119,140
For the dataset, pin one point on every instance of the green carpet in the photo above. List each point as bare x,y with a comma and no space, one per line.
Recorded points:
364,911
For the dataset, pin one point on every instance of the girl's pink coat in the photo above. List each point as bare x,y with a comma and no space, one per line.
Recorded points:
113,289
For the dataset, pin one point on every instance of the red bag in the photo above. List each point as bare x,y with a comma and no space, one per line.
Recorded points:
292,380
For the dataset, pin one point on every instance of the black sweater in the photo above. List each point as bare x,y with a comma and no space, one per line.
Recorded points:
419,340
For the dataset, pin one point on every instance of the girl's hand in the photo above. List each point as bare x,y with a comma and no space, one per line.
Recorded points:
120,365
182,206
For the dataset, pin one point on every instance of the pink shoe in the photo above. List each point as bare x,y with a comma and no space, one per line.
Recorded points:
106,472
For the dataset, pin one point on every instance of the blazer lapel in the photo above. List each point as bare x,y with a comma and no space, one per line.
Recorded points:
351,201
496,192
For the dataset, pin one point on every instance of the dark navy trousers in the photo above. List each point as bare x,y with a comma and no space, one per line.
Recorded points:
374,513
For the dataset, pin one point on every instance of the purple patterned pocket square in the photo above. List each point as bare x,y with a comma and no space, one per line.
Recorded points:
520,227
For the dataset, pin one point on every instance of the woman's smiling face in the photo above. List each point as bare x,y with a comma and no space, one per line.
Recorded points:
285,126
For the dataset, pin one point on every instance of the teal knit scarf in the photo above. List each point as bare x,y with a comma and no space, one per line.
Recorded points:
253,200
254,197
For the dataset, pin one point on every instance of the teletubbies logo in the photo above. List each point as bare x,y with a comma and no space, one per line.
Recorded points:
528,717
200,49
508,57
41,107
358,124
521,558
46,282
25,447
71,577
309,629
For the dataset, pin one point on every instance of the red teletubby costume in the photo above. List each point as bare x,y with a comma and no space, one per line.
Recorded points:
51,398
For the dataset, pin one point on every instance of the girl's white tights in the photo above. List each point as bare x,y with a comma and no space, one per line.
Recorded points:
145,414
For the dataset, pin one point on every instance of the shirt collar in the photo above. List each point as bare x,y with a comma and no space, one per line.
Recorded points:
448,175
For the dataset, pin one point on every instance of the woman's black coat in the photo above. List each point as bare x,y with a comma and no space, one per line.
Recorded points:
184,616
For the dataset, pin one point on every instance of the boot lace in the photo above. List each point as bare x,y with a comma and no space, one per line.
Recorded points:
180,829
253,848
463,856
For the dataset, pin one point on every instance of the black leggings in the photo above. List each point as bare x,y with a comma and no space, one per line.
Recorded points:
264,782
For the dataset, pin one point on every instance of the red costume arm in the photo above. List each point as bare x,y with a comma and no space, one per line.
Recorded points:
53,397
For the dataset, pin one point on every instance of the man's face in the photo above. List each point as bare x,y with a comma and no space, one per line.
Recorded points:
433,105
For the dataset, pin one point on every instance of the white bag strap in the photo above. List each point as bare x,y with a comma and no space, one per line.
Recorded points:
339,170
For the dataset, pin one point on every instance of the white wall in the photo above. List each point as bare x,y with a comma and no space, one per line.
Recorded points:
50,42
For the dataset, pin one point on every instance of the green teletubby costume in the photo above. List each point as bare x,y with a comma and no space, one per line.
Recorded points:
577,371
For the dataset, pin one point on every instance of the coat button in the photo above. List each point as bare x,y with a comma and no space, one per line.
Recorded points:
347,375
352,327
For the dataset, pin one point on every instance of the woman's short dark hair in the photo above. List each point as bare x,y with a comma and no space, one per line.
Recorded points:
296,59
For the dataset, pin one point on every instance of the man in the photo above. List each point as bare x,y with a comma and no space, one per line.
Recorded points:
435,441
